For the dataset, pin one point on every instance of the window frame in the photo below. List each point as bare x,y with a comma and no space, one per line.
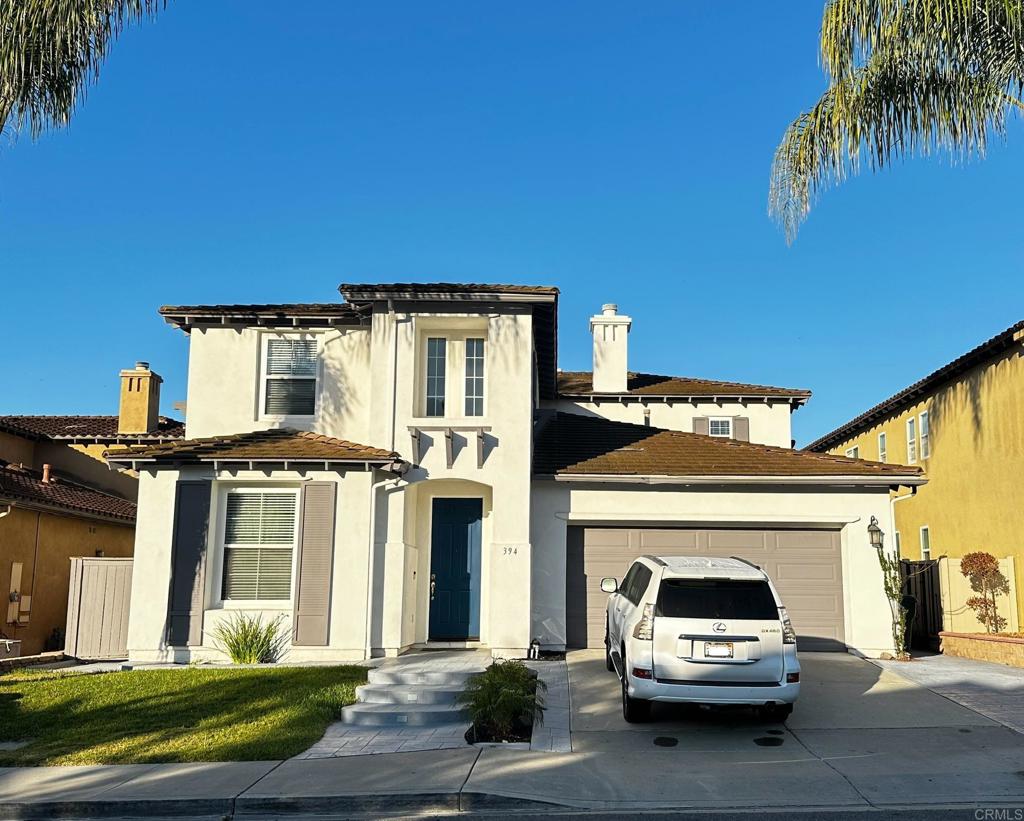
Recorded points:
853,453
883,447
222,547
924,435
912,440
455,382
925,535
445,384
481,378
266,338
728,421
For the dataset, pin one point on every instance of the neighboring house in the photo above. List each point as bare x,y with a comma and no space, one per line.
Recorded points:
59,499
409,468
964,426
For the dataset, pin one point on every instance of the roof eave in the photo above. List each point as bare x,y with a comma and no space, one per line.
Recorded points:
394,465
789,398
62,510
448,296
896,480
187,321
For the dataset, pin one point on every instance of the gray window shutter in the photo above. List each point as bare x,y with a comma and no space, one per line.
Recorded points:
188,564
741,428
700,425
316,560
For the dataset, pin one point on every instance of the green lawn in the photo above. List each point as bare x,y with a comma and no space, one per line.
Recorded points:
192,714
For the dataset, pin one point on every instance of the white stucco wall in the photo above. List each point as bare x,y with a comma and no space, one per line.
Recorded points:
557,505
152,572
770,422
224,383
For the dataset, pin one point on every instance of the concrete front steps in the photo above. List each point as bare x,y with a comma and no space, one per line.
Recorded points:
419,690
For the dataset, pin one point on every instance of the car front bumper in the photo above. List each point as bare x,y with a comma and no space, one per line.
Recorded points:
654,690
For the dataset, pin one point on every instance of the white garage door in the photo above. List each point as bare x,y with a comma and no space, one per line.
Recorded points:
805,565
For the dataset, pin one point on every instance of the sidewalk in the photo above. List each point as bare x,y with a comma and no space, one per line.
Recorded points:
839,778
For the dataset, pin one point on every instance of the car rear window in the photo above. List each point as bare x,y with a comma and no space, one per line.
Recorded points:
716,599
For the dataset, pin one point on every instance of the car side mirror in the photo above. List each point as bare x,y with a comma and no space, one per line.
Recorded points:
609,585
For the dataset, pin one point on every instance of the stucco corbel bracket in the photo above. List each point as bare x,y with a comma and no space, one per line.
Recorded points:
415,434
449,451
479,448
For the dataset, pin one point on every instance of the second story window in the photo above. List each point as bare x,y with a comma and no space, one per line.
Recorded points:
926,543
437,361
720,427
853,453
883,454
925,434
474,377
290,376
911,441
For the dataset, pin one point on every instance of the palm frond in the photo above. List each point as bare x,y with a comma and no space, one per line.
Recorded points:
907,77
50,52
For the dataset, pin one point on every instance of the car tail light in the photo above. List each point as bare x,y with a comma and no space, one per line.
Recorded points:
644,629
640,672
792,678
788,633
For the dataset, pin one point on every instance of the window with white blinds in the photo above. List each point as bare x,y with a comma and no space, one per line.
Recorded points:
290,376
259,540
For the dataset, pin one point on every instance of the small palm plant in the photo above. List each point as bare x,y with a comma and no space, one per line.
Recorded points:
247,640
504,701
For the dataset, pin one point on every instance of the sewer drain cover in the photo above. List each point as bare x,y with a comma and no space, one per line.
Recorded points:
665,741
769,741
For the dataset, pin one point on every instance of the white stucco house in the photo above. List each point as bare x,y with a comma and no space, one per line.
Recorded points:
409,468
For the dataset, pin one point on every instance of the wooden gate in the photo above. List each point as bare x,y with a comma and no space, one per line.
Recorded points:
98,600
921,581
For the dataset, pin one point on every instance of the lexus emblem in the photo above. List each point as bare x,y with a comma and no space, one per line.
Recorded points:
718,627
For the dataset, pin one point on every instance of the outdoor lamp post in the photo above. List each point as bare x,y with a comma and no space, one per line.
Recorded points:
876,534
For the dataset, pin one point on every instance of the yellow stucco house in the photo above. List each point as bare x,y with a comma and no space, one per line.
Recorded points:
964,425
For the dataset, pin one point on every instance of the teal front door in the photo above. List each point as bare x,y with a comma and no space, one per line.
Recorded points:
455,569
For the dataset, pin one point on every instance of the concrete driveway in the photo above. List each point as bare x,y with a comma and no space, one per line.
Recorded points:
859,734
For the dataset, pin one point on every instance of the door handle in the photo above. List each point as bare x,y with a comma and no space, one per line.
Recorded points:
433,585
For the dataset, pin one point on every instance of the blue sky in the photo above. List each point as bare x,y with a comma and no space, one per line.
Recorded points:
235,153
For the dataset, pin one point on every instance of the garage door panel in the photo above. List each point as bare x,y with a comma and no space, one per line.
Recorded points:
667,540
736,540
805,565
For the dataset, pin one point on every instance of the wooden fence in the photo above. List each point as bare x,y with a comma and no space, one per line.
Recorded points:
98,601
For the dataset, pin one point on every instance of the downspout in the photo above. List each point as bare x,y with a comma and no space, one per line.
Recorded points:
394,368
372,554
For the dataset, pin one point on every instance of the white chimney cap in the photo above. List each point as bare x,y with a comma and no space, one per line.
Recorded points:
609,309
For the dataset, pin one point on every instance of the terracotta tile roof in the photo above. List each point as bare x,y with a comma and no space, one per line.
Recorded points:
989,349
427,288
580,383
588,445
267,445
98,428
19,484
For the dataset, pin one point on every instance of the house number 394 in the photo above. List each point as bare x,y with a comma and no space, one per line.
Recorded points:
510,551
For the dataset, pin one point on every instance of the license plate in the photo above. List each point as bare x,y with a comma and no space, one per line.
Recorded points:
718,649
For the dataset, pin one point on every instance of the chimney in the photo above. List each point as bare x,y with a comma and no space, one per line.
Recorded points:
140,400
46,473
610,332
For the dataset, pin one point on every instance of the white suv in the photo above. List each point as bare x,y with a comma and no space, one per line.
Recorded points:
703,630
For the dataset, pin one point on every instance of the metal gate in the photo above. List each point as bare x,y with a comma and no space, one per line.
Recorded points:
921,581
98,600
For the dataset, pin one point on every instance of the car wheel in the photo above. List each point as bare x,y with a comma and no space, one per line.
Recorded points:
776,712
634,710
608,663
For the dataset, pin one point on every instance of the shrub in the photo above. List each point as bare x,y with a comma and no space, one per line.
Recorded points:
982,570
504,701
248,640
